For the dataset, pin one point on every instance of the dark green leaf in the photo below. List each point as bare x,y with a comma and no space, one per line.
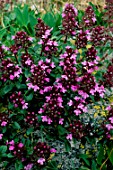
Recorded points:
16,125
67,146
93,166
3,149
100,155
29,131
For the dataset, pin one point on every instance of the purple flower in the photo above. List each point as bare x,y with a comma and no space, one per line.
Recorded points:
1,136
53,150
69,137
41,161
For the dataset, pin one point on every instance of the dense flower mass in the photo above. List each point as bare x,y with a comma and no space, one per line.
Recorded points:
42,29
82,39
31,119
21,40
89,17
18,149
69,22
56,82
40,75
17,99
9,70
52,110
98,36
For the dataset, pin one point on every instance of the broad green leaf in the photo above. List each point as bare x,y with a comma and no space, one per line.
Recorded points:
25,15
19,16
49,19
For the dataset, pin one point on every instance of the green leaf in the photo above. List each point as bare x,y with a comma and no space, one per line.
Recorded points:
32,20
20,86
16,125
61,130
12,16
49,19
29,131
84,168
29,97
110,155
93,166
84,157
25,15
100,155
19,16
3,149
2,33
18,166
9,155
67,146
7,88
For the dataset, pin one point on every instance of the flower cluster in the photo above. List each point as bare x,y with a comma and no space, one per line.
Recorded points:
31,119
17,99
91,60
42,29
82,39
40,75
42,152
76,130
78,105
91,87
52,110
17,149
21,40
9,70
108,125
49,47
108,77
69,22
89,17
68,78
98,36
26,60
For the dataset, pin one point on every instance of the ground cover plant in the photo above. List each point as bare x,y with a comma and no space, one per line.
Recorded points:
56,79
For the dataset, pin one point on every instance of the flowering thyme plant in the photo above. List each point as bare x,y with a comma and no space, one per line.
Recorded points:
51,78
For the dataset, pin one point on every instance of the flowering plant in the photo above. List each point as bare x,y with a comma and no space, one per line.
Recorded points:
51,78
